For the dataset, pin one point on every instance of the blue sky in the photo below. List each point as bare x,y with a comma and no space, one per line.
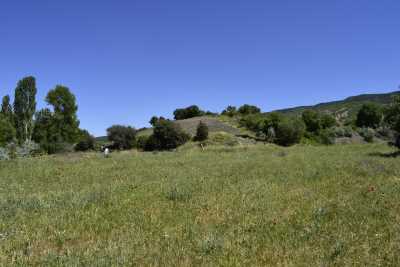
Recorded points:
127,60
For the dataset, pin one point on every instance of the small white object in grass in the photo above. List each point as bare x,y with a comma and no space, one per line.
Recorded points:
106,152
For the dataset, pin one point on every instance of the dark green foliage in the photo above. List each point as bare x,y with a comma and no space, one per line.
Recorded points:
327,136
392,114
368,134
7,131
57,131
47,134
311,120
141,142
154,120
230,111
315,122
327,121
392,118
152,144
187,113
253,122
25,107
123,137
6,109
249,109
85,141
65,109
289,132
370,115
166,136
211,114
202,132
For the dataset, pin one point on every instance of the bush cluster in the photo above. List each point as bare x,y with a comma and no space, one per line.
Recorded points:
187,113
166,135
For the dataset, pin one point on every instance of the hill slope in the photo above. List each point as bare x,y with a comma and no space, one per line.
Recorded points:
190,126
346,107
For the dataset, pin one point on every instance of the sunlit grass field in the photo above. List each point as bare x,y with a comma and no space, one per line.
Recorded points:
246,206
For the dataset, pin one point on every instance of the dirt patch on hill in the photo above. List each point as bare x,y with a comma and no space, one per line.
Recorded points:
214,125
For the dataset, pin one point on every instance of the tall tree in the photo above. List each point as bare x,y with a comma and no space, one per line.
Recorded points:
6,108
65,109
24,107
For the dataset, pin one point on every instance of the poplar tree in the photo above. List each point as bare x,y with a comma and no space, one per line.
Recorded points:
24,108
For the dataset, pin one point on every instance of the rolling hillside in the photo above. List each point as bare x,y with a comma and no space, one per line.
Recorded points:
346,107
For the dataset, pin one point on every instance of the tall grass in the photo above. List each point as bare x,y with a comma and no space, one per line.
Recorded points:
261,205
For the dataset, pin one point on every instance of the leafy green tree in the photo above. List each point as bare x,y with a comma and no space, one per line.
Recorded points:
25,107
46,132
392,117
369,116
141,142
311,120
85,141
230,111
7,131
249,109
289,132
166,136
6,109
252,122
327,121
187,113
154,120
201,132
123,137
65,113
392,112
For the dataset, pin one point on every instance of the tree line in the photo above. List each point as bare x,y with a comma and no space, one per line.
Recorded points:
49,130
25,130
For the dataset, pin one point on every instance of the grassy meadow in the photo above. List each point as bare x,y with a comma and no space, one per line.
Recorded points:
258,205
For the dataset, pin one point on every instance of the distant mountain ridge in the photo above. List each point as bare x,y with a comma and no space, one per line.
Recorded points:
348,106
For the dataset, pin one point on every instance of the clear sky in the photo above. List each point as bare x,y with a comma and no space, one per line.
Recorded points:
127,60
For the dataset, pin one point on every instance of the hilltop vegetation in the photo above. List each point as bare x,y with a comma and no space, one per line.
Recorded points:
24,131
344,108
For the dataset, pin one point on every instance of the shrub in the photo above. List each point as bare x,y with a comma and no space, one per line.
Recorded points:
123,137
249,109
230,111
252,122
86,141
343,131
202,132
311,121
396,143
152,143
370,116
289,132
327,137
4,154
316,122
28,149
327,121
154,120
187,113
166,135
368,134
7,131
141,142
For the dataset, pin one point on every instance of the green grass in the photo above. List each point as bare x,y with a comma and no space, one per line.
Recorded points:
227,206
